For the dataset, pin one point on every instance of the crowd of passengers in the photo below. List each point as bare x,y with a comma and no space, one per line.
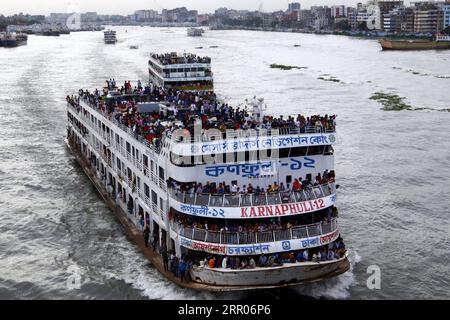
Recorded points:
168,58
332,251
224,188
188,109
252,226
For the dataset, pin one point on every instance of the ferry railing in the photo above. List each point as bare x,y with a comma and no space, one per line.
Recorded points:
247,200
141,167
250,133
123,127
257,132
226,237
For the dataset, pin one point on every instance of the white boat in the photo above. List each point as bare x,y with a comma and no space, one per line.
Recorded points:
181,71
110,36
204,193
195,32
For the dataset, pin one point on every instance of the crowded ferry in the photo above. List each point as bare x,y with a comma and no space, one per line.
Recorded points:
225,197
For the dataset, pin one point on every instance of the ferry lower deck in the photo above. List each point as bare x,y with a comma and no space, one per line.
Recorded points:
300,273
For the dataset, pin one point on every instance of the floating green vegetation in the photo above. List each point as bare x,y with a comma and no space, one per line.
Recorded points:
327,77
285,67
391,102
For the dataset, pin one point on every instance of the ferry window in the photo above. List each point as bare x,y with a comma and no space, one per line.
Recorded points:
247,156
229,157
195,160
145,160
128,147
315,150
288,179
284,153
146,190
154,198
161,173
151,165
239,156
309,177
298,152
265,154
329,151
253,155
161,204
180,70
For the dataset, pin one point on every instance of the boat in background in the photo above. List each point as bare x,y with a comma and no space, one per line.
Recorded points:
11,40
110,36
441,42
195,32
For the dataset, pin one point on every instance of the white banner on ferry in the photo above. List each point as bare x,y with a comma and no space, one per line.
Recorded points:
259,248
277,210
254,143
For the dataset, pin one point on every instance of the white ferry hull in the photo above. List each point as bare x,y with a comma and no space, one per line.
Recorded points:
289,273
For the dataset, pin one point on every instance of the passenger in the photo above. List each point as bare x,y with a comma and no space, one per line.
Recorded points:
323,255
225,262
212,262
291,257
306,255
316,256
182,269
146,235
165,258
330,255
251,263
262,261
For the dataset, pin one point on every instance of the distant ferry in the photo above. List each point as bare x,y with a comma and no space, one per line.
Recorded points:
110,36
181,72
249,206
441,42
49,33
13,39
195,32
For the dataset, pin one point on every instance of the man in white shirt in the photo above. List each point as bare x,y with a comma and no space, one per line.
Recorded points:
233,188
225,262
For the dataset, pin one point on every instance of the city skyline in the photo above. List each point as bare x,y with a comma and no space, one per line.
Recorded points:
119,7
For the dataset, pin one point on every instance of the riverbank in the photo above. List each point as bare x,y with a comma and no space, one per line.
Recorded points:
352,33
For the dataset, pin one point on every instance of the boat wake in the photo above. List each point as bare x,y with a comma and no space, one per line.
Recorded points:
334,288
141,276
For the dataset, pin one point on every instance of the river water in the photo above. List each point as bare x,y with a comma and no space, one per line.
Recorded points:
393,167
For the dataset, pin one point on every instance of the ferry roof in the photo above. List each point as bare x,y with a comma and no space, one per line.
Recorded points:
175,58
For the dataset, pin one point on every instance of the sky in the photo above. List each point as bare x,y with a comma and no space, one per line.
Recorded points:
8,7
